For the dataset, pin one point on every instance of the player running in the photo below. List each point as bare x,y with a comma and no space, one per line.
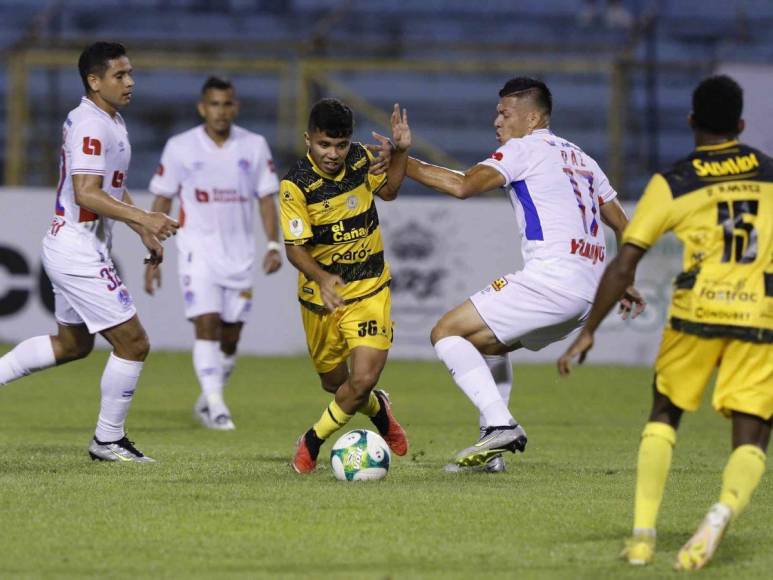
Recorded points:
560,197
89,295
332,236
217,170
719,203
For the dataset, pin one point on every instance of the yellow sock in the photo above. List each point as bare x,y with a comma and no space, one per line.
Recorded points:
371,407
657,444
332,419
742,474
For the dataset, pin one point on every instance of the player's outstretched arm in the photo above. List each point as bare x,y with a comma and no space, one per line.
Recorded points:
618,276
302,260
476,180
401,138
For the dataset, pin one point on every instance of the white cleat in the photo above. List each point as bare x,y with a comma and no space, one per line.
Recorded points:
121,451
223,423
699,549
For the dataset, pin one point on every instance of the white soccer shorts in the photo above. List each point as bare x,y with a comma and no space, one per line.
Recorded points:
202,294
520,308
99,300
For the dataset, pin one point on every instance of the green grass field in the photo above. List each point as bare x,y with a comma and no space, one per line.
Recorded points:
227,504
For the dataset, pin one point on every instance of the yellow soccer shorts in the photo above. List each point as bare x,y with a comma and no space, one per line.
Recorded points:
330,337
686,363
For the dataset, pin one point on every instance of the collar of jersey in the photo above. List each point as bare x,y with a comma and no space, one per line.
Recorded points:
208,142
321,173
724,145
93,105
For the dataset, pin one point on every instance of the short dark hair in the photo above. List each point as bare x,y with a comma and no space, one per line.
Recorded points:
332,117
94,59
717,103
215,82
527,86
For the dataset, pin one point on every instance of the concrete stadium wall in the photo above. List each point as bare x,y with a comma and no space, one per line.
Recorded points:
441,251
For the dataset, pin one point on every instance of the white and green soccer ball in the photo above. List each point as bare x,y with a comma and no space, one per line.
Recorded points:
360,455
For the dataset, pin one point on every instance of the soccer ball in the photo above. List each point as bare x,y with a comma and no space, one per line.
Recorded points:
360,455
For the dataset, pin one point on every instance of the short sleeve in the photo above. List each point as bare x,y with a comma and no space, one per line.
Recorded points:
511,160
653,215
168,177
376,182
88,141
267,183
293,214
604,190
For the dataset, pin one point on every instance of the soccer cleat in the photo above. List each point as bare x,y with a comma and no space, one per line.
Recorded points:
699,549
495,441
639,549
394,434
201,414
223,423
122,450
305,461
494,465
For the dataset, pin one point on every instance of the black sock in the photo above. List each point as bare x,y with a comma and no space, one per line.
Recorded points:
380,419
313,442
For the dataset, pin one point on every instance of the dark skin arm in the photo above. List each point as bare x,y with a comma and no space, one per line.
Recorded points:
618,276
401,137
272,261
153,274
613,215
300,257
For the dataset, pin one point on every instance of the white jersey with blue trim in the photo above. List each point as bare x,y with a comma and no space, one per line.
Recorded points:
556,191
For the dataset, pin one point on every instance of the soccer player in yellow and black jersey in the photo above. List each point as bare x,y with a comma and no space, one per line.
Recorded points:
332,236
719,203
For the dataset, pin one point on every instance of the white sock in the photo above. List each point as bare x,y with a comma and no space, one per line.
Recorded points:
34,354
228,362
119,380
470,373
208,366
502,373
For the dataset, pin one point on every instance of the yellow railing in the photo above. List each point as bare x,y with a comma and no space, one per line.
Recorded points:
297,81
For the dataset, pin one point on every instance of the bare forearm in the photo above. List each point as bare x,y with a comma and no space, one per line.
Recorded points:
395,174
302,260
616,279
438,178
269,218
101,203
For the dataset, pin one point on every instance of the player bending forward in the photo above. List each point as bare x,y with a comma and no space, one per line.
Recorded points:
560,197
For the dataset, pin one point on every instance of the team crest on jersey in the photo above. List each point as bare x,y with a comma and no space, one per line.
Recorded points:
244,164
352,201
124,298
188,296
498,284
296,226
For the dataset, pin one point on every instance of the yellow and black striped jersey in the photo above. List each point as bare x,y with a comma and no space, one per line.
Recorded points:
719,203
336,219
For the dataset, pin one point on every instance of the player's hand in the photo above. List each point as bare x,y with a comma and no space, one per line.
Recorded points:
155,249
579,348
401,131
330,296
152,278
631,304
272,261
382,152
160,225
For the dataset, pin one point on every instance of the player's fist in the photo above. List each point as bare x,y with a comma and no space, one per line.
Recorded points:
160,225
330,296
401,131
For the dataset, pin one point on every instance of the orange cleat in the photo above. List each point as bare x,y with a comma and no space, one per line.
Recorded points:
304,461
394,434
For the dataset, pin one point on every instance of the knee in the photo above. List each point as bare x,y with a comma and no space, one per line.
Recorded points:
363,382
329,386
70,351
439,331
228,347
138,347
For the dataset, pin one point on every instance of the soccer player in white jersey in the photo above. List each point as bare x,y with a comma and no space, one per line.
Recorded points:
560,196
217,170
89,295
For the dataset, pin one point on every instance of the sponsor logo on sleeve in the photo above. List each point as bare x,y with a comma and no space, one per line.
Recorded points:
497,155
296,226
498,284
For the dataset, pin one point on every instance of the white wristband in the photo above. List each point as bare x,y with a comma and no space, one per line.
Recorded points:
273,246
